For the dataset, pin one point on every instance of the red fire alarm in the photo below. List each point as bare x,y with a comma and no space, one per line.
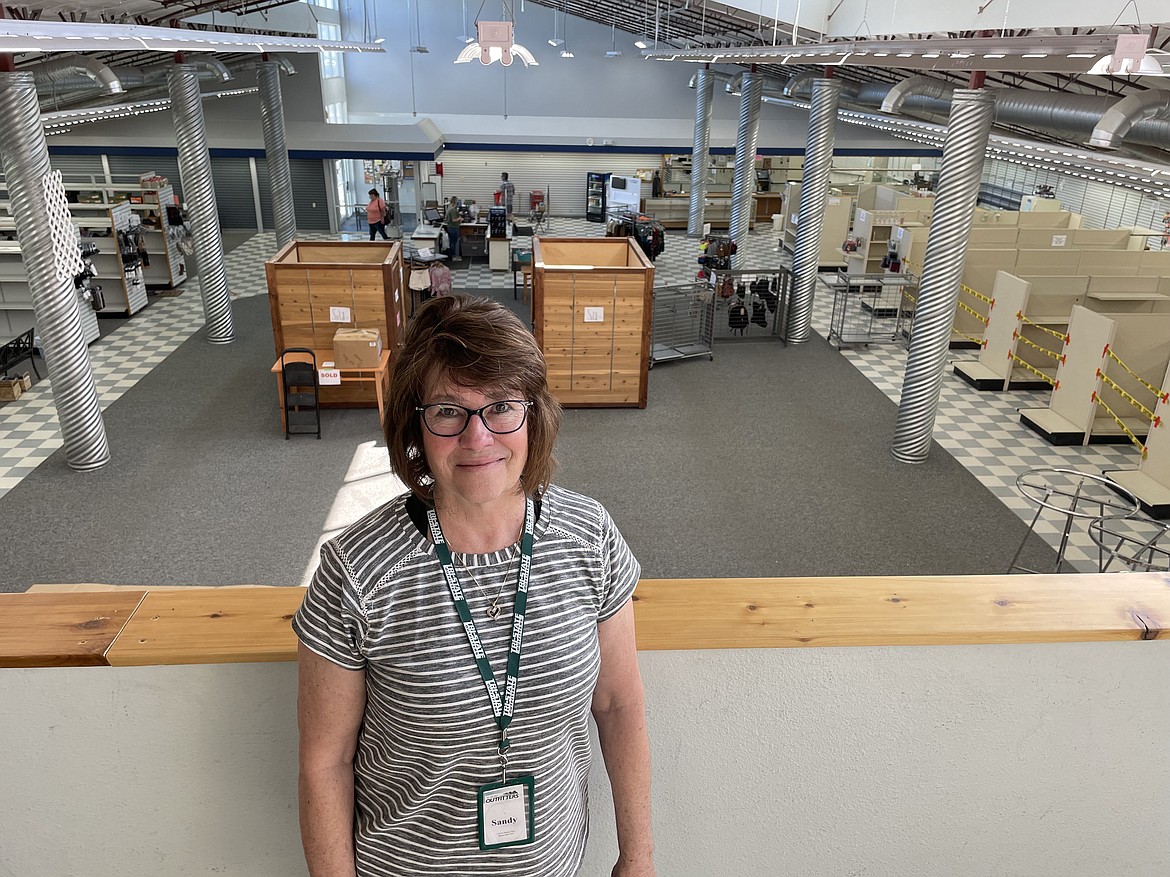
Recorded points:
438,169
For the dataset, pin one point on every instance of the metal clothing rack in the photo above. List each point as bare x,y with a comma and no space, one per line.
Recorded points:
767,314
683,323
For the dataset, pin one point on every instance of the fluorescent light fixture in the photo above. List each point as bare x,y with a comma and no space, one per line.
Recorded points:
22,35
641,44
1037,53
420,50
556,41
565,53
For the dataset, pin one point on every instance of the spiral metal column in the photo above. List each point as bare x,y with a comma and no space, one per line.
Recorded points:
26,165
700,152
818,162
744,180
199,193
276,151
972,113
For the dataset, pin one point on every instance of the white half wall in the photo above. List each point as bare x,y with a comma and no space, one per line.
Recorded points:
883,762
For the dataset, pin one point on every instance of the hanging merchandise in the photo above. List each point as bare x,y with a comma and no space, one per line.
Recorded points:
727,288
737,316
440,278
759,314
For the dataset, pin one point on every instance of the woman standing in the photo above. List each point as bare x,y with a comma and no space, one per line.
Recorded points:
377,212
455,641
453,219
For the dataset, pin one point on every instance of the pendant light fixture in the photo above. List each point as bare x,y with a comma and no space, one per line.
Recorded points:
463,37
566,52
555,41
643,42
614,51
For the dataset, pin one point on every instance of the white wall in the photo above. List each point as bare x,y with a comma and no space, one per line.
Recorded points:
629,100
883,762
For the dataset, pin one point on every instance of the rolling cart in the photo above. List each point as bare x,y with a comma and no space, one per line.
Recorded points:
683,324
867,308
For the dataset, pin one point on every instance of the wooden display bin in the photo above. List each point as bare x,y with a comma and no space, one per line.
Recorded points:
599,364
308,278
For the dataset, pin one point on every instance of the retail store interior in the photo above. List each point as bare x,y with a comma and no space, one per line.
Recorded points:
897,279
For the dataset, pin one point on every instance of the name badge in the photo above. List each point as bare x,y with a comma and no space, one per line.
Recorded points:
506,813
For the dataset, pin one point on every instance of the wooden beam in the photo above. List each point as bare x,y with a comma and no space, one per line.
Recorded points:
63,630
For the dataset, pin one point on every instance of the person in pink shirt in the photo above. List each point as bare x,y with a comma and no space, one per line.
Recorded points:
377,212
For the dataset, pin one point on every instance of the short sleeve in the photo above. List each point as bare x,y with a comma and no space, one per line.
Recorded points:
620,567
330,621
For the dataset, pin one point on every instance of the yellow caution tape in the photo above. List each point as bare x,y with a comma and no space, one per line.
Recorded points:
1159,393
1036,346
1061,335
982,342
1149,415
1033,369
1133,438
982,318
983,298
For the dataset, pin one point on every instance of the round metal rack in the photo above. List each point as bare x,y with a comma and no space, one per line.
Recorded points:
1139,543
1073,495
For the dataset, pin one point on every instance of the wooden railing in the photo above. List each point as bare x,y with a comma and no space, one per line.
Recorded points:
144,626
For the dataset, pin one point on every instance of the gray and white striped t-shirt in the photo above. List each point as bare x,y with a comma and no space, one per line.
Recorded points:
428,741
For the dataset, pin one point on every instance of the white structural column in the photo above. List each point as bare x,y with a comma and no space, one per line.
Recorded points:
972,113
700,151
810,214
199,194
743,183
26,169
276,151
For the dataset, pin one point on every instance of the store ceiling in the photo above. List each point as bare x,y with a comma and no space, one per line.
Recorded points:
677,24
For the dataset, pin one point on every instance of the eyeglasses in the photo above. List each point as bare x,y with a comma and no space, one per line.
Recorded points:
447,419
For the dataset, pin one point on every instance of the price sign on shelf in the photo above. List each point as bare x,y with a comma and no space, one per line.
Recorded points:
329,377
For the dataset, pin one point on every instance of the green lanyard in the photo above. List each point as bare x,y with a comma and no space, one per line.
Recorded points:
502,708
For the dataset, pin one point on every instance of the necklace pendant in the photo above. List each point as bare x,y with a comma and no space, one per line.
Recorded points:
492,611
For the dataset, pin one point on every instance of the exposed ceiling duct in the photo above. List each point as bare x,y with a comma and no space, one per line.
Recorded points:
69,66
144,83
1119,119
924,85
1059,114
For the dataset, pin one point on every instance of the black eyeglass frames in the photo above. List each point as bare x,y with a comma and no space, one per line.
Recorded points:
447,419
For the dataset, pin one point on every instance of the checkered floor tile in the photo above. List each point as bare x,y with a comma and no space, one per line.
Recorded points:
981,429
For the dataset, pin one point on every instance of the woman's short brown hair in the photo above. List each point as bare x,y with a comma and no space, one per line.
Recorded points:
479,344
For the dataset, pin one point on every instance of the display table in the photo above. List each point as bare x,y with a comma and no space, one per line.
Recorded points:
378,377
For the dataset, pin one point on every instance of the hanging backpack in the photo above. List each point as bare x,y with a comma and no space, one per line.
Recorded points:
726,288
759,315
737,316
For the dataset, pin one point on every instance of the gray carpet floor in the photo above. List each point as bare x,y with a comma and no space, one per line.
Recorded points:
766,462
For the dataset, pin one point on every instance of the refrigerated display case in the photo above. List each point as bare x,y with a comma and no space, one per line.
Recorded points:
595,197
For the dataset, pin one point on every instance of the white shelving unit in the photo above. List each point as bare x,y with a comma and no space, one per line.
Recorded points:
16,309
167,268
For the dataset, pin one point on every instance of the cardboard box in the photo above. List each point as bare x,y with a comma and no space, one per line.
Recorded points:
10,390
25,381
357,348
